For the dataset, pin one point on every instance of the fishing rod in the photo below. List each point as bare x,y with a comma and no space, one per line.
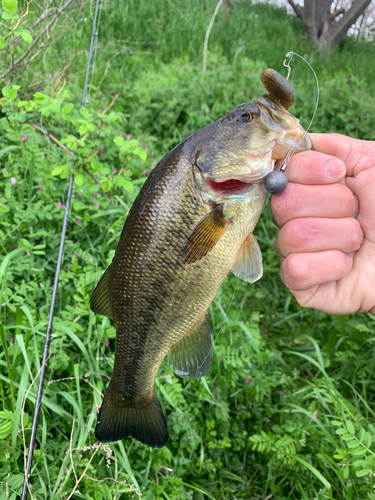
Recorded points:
49,336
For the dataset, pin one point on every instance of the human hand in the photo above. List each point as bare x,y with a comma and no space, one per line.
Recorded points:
326,242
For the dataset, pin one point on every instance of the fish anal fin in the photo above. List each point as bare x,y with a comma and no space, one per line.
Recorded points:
204,236
120,419
248,264
100,302
191,358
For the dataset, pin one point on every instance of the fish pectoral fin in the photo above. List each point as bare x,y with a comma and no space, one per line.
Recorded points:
191,358
248,264
100,300
204,236
119,420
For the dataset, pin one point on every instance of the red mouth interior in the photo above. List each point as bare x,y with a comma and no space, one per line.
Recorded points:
231,184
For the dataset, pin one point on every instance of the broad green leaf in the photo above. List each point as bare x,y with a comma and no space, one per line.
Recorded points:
128,186
26,36
79,179
118,140
68,108
350,427
358,463
362,434
368,439
336,423
345,472
340,431
353,444
363,472
347,437
359,452
9,6
6,16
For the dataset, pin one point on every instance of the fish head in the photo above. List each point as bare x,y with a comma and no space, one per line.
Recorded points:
242,147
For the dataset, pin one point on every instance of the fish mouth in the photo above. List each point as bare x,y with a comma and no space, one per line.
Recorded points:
228,187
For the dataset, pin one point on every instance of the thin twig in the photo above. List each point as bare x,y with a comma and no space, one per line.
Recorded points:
84,472
207,36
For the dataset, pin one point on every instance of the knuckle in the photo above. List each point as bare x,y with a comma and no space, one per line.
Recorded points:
296,271
293,234
355,236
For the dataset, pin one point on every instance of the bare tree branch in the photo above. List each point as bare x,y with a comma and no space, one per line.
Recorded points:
337,12
297,9
339,30
36,40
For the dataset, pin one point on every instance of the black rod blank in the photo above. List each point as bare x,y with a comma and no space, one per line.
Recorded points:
56,281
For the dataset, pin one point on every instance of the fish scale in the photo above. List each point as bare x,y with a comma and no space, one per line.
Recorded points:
184,232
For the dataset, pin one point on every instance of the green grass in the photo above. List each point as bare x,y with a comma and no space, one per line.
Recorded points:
287,407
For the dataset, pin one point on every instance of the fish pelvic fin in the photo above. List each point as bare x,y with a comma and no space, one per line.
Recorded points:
248,264
191,358
119,420
204,236
100,302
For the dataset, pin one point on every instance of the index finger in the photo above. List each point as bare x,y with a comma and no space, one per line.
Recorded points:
358,155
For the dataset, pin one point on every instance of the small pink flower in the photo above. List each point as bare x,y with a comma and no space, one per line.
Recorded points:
100,93
3,305
242,93
220,360
122,134
247,381
5,171
147,149
281,393
173,112
222,306
90,259
28,254
2,202
208,110
128,137
13,180
95,195
115,171
106,341
59,204
15,245
145,172
96,205
35,446
267,420
24,138
79,222
78,255
100,110
269,399
39,187
223,65
102,147
315,415
101,156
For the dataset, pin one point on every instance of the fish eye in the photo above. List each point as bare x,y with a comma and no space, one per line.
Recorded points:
242,116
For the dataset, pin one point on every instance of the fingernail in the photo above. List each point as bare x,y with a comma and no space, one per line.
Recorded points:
335,168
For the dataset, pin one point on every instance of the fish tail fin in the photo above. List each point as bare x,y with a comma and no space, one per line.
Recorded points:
118,420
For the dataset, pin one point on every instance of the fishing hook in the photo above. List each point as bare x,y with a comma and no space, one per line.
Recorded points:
287,56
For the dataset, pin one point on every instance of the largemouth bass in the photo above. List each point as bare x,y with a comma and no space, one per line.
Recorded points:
191,223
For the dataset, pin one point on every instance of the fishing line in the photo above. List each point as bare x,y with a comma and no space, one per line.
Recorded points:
48,339
289,55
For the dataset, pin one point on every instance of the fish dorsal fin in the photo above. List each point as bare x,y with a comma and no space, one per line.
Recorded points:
204,236
100,302
191,358
248,264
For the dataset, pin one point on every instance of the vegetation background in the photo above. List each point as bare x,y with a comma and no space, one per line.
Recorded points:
286,410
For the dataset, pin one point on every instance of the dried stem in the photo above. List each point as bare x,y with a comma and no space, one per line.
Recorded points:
207,36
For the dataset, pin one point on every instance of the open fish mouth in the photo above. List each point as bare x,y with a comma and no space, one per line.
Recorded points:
229,187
